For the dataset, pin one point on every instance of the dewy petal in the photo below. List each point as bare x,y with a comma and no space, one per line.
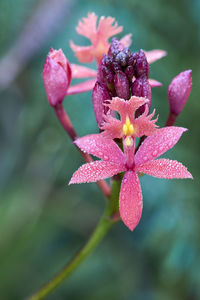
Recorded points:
87,26
106,28
126,41
101,147
95,171
84,54
144,125
82,72
130,201
112,128
125,108
81,87
158,143
154,55
164,168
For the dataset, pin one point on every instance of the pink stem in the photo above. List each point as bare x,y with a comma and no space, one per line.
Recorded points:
67,125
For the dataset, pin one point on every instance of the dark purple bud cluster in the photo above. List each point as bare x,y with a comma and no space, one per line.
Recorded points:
141,86
123,74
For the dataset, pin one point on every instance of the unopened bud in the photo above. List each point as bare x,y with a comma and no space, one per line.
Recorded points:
56,76
122,87
142,66
115,47
99,96
179,91
141,88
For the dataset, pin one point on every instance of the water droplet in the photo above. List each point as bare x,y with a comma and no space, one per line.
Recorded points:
106,157
145,158
161,148
100,153
170,144
155,153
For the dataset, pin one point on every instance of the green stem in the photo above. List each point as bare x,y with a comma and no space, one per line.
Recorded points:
100,231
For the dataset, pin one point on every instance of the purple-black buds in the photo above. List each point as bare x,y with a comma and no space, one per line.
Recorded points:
122,87
57,76
179,91
99,96
142,66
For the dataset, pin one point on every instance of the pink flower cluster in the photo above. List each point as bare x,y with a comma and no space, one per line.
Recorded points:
121,100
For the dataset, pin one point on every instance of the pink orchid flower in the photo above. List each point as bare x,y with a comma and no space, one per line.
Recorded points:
128,125
57,76
98,36
114,161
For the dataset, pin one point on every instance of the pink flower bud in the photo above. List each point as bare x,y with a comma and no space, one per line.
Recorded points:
122,85
56,76
99,96
179,91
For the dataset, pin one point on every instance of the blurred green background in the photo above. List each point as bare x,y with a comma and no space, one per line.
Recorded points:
43,222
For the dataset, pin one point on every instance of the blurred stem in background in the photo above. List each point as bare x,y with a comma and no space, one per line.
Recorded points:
104,225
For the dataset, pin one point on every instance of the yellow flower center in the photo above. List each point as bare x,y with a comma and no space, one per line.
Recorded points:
128,128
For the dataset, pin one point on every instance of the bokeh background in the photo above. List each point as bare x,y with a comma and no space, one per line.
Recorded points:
43,222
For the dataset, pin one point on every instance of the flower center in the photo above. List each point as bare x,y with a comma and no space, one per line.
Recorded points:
128,128
128,142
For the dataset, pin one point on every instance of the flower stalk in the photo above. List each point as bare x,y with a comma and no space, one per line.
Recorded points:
104,225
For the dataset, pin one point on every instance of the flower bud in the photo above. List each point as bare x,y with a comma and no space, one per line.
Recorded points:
99,96
179,91
142,66
142,88
122,87
56,76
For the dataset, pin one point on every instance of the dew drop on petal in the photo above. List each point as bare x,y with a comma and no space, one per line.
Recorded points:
170,144
105,157
145,158
155,153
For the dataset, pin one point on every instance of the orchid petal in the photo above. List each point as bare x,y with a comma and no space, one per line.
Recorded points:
125,108
154,83
96,171
87,26
144,125
112,128
82,72
158,143
101,147
81,87
154,55
107,29
126,41
164,168
130,202
84,54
